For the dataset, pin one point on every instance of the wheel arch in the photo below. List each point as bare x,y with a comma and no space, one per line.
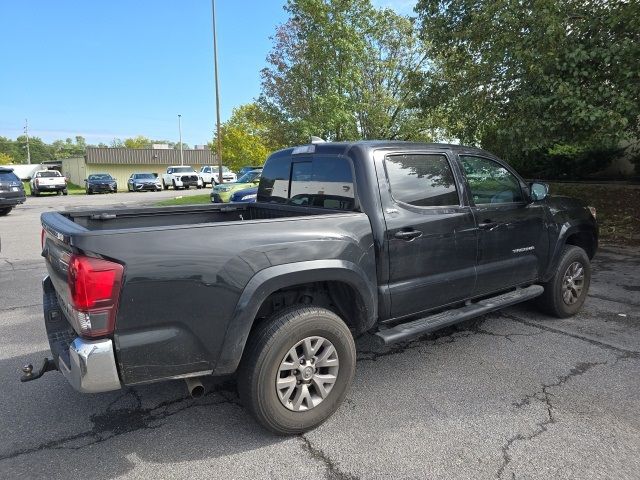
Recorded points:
291,276
579,235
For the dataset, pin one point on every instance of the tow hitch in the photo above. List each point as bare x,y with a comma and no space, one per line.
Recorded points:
48,365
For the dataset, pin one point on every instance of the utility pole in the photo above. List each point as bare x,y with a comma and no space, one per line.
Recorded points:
180,133
215,68
26,132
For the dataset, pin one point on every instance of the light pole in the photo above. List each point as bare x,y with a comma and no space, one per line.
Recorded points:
215,67
26,132
180,133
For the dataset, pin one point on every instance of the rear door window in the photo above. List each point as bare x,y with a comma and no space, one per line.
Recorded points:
422,180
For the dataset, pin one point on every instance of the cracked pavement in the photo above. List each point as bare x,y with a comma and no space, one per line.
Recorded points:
512,394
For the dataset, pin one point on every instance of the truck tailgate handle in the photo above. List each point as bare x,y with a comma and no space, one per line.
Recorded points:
407,234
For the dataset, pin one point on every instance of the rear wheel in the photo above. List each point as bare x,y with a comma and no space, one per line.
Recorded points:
297,369
165,186
35,192
65,192
567,290
5,211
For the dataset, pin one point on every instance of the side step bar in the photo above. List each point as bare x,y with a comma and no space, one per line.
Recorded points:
414,328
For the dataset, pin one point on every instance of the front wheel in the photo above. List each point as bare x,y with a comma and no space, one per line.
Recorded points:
5,211
297,369
567,290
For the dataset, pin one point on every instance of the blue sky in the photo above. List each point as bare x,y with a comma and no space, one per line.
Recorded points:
107,69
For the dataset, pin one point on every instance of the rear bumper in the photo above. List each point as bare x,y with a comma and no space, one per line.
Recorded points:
9,200
92,366
51,188
88,365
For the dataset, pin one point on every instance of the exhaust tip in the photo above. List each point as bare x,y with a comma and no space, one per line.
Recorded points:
197,392
195,387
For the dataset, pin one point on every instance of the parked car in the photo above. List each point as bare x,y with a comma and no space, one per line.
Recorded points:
11,190
181,176
100,183
48,181
247,195
244,170
210,175
139,182
222,193
420,237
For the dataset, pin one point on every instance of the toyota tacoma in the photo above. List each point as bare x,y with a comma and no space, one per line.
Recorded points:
392,238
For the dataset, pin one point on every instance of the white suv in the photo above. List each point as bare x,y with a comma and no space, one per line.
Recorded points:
210,174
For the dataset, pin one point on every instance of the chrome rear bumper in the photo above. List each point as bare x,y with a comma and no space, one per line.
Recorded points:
92,366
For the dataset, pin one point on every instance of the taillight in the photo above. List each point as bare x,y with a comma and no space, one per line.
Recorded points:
94,285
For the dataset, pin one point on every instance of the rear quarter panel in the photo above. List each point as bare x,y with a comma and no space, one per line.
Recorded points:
183,284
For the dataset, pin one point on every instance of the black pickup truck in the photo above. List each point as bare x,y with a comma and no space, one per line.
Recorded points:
392,238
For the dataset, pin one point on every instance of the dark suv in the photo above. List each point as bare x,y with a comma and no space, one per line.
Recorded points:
11,190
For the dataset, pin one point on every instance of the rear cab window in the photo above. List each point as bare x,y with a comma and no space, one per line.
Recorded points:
321,181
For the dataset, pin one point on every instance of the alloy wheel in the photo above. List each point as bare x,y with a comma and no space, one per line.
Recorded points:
307,374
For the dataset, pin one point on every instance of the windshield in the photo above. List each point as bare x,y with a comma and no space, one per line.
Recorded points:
183,169
250,177
100,176
51,173
144,176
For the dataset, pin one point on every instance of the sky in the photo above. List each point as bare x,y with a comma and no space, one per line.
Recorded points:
117,69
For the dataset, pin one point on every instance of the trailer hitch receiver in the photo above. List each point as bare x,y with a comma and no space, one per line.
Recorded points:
48,365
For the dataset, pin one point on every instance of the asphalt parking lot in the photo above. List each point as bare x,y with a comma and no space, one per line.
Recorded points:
509,395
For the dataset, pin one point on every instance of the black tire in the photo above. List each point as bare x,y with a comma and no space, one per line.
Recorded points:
65,192
35,192
174,184
5,211
552,301
267,347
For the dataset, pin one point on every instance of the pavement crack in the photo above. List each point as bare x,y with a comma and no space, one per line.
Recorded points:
622,353
116,421
543,395
333,472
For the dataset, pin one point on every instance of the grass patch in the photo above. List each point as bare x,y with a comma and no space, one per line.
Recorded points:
618,208
72,188
188,200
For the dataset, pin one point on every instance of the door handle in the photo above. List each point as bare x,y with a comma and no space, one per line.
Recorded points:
487,225
408,234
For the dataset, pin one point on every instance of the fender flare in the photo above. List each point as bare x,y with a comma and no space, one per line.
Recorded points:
566,230
271,279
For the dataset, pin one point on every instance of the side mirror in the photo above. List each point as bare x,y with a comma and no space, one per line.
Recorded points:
539,191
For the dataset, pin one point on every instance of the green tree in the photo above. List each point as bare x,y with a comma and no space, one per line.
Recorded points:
340,70
543,79
139,141
5,159
248,137
69,148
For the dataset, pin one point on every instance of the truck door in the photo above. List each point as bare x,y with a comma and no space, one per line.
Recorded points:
513,240
431,234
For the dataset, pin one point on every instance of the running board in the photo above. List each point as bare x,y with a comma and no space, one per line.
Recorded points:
414,328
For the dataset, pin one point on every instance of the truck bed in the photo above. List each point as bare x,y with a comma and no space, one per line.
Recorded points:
152,217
